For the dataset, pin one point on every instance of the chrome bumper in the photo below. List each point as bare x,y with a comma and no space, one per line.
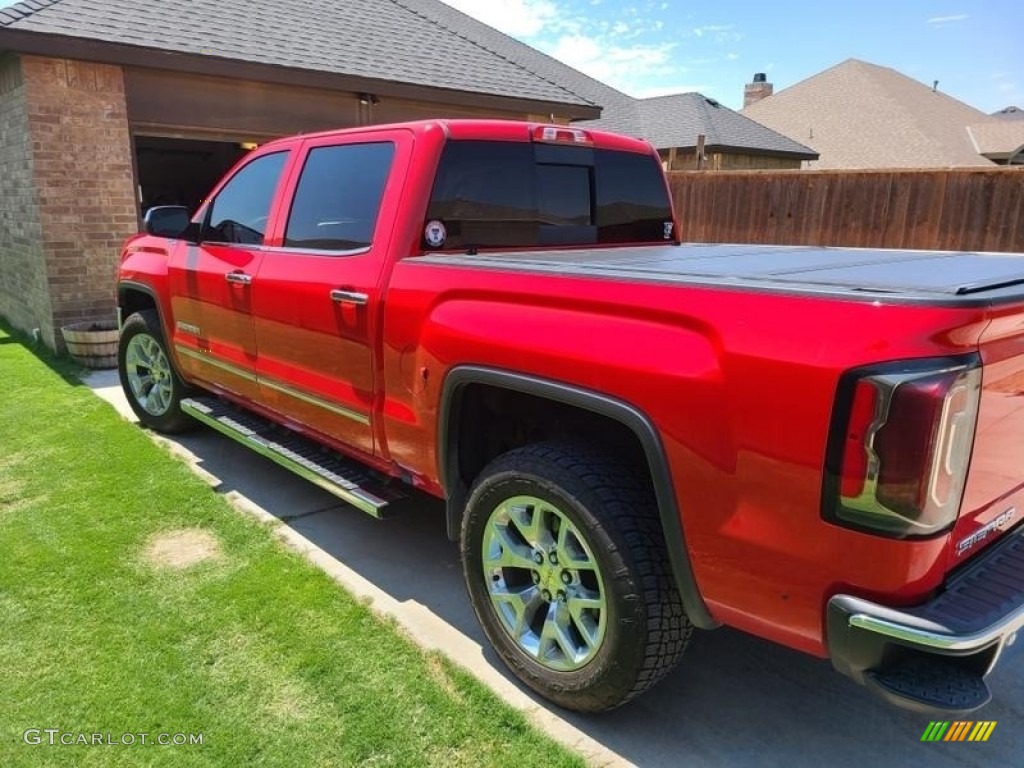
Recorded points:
977,614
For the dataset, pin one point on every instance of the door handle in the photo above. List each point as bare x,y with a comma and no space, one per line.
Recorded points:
238,277
349,297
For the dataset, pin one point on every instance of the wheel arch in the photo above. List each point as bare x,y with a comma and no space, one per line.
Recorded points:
134,297
629,417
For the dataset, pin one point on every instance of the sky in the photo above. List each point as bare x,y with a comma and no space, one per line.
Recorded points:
974,48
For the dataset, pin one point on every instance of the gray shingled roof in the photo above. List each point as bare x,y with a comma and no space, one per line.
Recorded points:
675,121
427,42
668,121
334,36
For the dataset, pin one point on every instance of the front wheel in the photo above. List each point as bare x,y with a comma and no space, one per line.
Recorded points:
152,386
567,571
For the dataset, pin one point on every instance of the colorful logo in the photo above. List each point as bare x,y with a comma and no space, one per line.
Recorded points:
966,730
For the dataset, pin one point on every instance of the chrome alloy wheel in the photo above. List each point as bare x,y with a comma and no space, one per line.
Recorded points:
544,583
149,374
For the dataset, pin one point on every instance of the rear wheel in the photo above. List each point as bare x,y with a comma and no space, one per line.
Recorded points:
152,386
566,567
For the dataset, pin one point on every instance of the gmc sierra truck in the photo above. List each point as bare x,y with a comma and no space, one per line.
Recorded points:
633,436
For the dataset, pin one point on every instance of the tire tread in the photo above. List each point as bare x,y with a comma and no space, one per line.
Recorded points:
625,506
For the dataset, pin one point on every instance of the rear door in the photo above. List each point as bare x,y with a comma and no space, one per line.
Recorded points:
211,283
318,290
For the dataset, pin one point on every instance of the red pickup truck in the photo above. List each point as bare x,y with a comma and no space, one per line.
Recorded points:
634,437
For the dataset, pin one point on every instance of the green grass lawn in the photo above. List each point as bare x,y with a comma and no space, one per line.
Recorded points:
253,648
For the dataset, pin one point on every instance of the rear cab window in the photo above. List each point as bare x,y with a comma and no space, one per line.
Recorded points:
501,194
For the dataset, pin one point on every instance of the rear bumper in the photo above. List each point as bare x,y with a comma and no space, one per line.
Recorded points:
963,630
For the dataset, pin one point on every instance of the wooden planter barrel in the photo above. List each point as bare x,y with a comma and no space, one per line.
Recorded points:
92,343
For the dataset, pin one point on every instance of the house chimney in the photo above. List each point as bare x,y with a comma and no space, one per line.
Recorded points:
757,90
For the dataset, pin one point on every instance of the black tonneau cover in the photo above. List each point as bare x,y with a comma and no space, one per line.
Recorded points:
919,276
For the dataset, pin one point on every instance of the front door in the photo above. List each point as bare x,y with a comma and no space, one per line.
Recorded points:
318,297
211,283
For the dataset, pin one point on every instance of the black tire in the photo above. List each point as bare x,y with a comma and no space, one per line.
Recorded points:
646,630
163,415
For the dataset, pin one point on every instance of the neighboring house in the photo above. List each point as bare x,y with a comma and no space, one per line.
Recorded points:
731,141
860,115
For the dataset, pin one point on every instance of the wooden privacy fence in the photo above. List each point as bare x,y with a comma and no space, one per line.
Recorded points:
956,209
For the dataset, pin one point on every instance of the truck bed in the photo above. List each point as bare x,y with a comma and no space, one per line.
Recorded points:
933,277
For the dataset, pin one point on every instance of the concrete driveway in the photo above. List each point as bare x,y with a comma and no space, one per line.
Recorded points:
734,700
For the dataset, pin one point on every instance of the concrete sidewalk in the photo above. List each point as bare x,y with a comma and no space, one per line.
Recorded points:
734,700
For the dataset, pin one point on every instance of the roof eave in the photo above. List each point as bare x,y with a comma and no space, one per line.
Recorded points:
83,49
759,151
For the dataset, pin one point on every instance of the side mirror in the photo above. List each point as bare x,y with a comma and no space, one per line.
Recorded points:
166,221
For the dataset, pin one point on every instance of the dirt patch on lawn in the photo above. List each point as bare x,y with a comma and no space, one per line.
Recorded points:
14,494
181,549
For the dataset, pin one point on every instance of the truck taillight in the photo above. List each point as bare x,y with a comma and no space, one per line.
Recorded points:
901,444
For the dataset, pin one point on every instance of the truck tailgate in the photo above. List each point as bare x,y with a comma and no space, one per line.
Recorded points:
994,496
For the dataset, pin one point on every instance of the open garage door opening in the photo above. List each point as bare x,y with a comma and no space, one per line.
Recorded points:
181,171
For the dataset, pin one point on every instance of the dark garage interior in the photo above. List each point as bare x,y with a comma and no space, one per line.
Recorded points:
181,171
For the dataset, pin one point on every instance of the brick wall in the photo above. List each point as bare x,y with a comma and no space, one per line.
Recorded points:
24,293
82,161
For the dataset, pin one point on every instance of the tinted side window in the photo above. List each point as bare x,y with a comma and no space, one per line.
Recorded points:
338,197
239,212
506,194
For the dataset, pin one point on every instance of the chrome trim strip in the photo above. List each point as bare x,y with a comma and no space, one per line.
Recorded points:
314,400
216,363
325,252
318,252
357,497
274,385
885,621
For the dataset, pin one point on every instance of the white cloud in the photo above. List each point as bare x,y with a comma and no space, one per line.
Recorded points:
948,19
582,51
603,50
518,18
711,29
